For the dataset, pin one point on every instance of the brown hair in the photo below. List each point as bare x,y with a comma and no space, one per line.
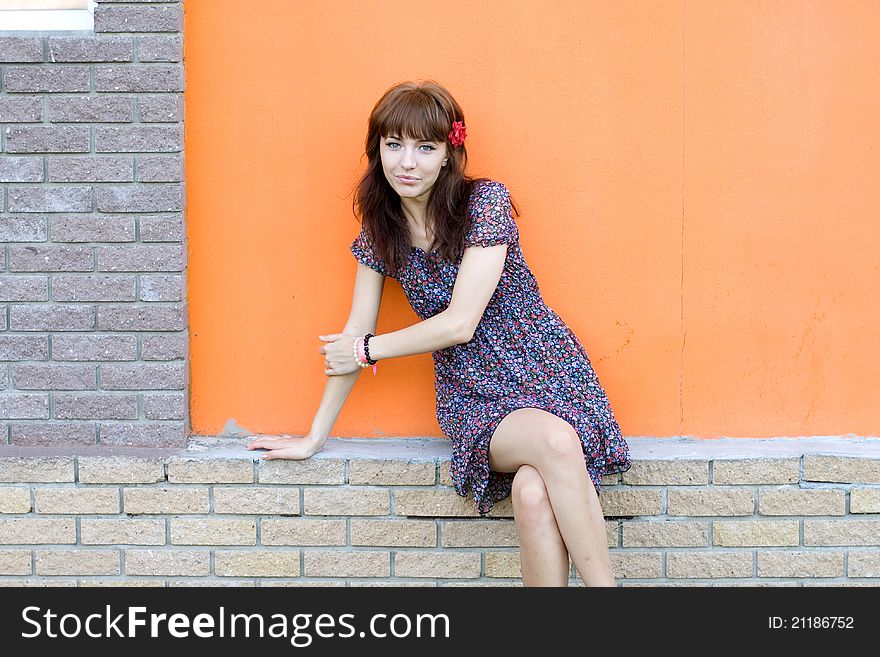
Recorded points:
421,110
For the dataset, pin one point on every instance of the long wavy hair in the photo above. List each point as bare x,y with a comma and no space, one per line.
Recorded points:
422,110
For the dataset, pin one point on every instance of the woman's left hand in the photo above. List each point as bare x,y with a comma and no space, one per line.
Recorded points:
339,353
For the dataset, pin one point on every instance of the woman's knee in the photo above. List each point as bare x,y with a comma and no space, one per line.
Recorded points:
530,498
561,444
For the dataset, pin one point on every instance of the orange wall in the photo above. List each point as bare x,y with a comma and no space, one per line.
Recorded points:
698,184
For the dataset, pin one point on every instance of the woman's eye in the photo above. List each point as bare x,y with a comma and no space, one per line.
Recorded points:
429,147
391,144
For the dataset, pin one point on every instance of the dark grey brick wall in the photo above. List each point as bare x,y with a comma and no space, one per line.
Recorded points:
93,322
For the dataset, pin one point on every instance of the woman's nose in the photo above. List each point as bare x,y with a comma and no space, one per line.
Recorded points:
407,161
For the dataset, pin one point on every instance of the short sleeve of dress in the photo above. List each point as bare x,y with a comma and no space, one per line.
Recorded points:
362,248
491,216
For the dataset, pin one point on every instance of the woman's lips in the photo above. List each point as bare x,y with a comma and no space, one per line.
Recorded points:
407,181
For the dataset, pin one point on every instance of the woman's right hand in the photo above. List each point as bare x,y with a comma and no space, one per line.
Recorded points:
287,447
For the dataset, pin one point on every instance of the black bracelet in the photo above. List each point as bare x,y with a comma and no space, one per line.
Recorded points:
367,348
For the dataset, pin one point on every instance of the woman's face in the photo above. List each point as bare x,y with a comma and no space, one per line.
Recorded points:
412,166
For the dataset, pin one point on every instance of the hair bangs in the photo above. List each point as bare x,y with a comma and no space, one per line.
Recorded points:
414,115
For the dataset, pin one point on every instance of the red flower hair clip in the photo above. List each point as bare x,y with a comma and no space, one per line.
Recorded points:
458,133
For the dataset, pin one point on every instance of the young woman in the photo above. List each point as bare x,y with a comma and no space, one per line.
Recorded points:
515,389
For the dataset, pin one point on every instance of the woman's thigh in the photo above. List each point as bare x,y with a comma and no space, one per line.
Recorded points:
521,438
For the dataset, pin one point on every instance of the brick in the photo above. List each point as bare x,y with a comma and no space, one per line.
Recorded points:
20,110
805,563
163,108
24,288
240,563
139,376
76,500
138,19
844,469
302,531
443,502
21,49
90,109
756,533
476,533
346,501
50,199
50,258
23,228
394,533
128,531
94,287
205,531
636,565
143,257
140,198
94,347
128,582
88,168
256,500
502,564
54,377
440,564
54,583
635,502
23,347
15,562
76,562
154,48
45,79
163,347
188,470
864,500
15,499
91,49
176,563
665,533
160,168
140,318
138,139
92,229
387,472
95,406
165,407
801,502
52,318
20,169
308,471
24,407
176,500
123,470
48,469
667,472
710,564
143,434
161,287
347,563
47,139
863,564
132,78
53,434
841,532
23,531
756,471
711,502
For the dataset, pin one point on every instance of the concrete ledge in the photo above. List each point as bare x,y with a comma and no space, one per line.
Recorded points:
690,512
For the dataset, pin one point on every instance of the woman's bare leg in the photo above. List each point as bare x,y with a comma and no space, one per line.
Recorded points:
531,436
543,557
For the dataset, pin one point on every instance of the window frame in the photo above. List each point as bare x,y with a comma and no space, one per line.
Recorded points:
46,20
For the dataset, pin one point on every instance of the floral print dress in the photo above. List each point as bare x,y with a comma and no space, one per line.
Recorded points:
521,355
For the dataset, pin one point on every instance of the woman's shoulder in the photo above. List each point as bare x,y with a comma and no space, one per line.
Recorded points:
486,191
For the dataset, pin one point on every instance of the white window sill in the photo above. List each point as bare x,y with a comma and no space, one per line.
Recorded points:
42,21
